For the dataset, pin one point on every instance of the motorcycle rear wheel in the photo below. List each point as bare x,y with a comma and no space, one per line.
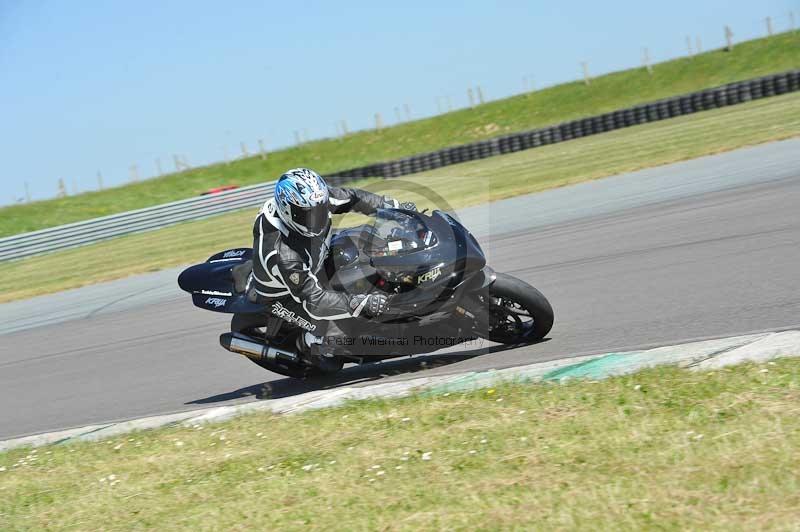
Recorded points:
519,312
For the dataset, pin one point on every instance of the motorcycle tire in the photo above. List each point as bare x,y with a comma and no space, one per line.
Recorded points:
508,289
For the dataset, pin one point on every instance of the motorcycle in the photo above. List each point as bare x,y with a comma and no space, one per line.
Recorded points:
441,293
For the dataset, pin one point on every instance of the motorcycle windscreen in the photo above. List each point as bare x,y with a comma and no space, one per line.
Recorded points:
398,233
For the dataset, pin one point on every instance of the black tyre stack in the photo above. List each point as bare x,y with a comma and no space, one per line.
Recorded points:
715,98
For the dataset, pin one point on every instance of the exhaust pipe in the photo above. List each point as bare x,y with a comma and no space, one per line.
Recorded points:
252,348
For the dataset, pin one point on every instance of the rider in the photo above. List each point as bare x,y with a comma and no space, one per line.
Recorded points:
291,236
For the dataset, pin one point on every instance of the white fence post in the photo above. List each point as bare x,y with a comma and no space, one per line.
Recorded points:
470,97
586,78
728,39
158,167
689,46
261,151
768,20
646,61
480,95
378,121
99,180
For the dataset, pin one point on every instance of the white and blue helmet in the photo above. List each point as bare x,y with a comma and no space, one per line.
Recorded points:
301,198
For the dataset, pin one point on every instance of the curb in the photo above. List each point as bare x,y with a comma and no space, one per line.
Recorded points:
702,356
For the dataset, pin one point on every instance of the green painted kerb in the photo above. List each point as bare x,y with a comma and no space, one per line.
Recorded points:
596,368
601,367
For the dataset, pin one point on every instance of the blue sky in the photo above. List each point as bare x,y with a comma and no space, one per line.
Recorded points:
98,86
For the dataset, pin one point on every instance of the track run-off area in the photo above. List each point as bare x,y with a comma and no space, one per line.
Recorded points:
698,249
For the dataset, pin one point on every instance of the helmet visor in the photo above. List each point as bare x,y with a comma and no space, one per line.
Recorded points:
312,221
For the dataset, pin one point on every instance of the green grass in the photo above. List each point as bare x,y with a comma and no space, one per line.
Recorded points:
477,182
536,109
665,449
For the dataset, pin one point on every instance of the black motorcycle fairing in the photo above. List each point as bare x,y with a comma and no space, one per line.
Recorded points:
401,339
212,278
211,283
470,258
481,280
451,256
455,257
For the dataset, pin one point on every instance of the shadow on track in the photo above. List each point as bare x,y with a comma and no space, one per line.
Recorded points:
286,387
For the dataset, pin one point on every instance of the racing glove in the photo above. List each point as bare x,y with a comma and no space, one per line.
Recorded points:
390,203
368,306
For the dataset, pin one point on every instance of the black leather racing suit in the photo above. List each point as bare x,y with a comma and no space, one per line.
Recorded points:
286,265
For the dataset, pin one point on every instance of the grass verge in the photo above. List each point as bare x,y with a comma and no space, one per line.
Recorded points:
662,449
536,109
479,181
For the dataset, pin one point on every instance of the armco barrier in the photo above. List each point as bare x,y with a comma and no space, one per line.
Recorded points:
87,232
97,229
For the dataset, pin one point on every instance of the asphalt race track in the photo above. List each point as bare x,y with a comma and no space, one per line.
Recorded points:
699,249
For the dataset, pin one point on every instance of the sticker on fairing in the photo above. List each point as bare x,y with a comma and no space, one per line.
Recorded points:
395,245
431,275
216,301
234,253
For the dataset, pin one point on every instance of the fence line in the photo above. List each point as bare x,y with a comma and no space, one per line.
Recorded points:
95,230
147,219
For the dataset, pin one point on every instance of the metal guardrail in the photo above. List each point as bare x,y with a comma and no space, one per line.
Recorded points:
112,226
90,231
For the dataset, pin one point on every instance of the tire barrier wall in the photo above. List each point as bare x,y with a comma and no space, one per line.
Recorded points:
98,229
715,98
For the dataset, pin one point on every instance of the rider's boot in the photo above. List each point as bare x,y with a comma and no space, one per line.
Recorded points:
319,354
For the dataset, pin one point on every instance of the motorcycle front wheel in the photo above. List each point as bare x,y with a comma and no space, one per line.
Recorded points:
519,313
